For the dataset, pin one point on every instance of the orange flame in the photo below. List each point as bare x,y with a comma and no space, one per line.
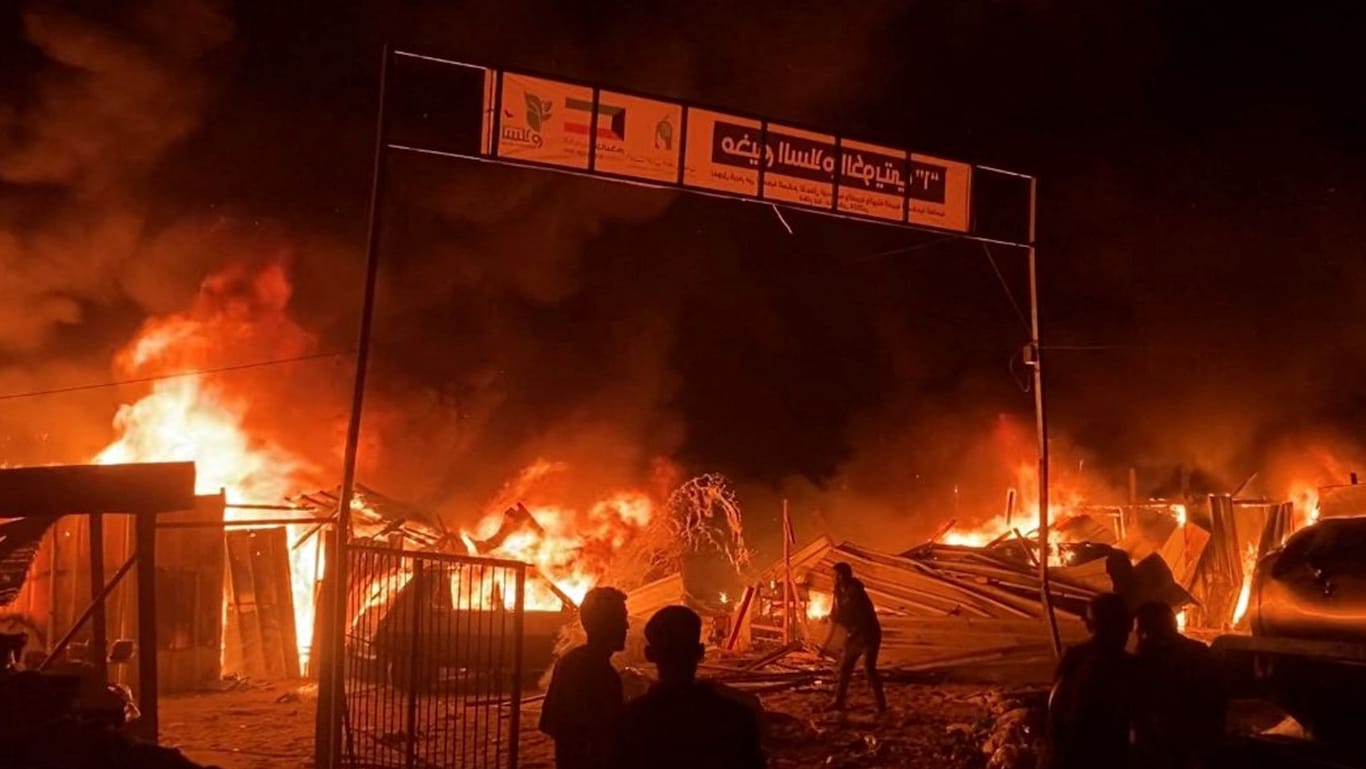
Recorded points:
1179,512
569,548
195,419
1245,594
818,605
1305,498
1062,504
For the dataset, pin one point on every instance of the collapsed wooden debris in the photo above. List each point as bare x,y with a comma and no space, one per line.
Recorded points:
941,606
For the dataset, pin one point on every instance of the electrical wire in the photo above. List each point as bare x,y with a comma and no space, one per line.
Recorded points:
176,375
907,249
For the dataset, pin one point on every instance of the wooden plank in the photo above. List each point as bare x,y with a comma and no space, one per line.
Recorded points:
153,487
275,609
649,598
247,621
290,634
740,616
190,563
282,598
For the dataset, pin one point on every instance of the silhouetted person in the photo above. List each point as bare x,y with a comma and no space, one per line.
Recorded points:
683,723
584,703
853,610
1185,701
1094,699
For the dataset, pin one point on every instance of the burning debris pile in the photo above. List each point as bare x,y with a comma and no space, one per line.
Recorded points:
973,608
941,606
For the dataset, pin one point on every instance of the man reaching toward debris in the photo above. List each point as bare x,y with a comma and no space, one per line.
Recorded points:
683,723
1185,705
853,610
583,703
1092,707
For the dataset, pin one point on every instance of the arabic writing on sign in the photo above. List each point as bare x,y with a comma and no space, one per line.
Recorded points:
873,171
735,145
801,157
927,181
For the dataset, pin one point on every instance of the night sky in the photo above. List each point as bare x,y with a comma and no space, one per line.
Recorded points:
1200,237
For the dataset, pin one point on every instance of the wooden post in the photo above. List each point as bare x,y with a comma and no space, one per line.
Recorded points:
787,576
745,601
99,630
147,625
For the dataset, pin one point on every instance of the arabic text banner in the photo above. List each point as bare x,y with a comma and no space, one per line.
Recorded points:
872,181
544,121
939,193
799,166
723,152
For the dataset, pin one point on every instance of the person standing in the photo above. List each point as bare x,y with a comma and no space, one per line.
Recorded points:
584,703
853,610
1093,705
1185,701
683,723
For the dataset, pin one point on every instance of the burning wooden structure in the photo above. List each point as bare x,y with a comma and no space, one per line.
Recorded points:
976,605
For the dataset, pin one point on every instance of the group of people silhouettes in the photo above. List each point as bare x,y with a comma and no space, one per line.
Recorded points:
680,722
1161,707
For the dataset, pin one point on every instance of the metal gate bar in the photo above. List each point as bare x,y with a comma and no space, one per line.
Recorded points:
433,658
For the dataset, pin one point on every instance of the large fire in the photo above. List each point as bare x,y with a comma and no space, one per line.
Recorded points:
1062,503
570,549
204,419
197,418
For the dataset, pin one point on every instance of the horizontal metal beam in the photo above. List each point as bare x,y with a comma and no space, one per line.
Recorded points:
243,524
948,235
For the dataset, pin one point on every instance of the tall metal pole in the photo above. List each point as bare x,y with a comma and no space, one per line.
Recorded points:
331,693
787,575
1041,419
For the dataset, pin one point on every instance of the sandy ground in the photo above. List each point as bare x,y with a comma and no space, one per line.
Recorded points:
270,726
261,726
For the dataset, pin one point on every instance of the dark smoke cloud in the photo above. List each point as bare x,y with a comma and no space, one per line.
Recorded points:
477,373
1199,224
103,107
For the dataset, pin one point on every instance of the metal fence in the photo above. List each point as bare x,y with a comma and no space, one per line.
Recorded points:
433,674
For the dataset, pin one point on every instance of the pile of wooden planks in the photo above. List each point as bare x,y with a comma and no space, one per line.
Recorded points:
260,639
945,607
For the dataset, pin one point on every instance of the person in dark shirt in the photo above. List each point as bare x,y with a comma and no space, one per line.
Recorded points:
584,703
1092,707
853,610
1185,702
683,723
